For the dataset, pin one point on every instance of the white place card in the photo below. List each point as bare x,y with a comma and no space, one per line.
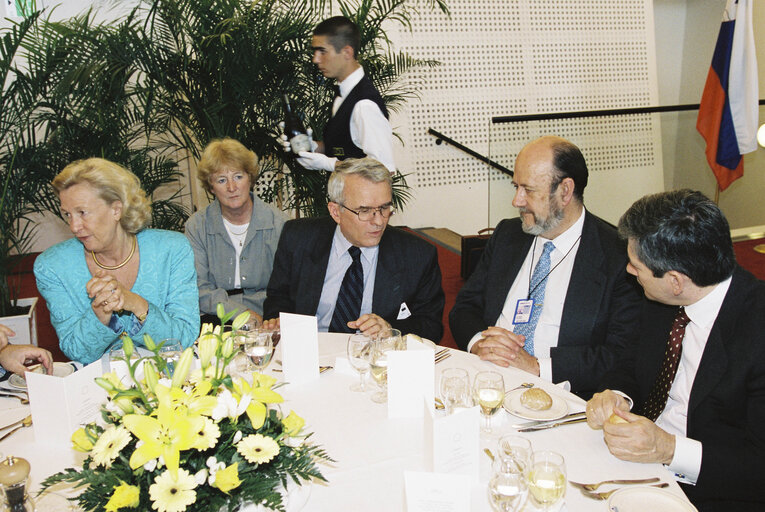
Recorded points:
61,405
452,443
411,376
300,347
436,492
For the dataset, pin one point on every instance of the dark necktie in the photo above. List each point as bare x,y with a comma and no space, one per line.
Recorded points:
657,398
349,297
537,294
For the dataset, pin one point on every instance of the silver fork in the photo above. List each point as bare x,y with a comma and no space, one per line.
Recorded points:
607,494
594,487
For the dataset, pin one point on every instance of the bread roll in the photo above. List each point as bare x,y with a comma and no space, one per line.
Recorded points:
536,399
616,419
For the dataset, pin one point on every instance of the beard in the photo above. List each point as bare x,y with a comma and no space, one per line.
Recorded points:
542,225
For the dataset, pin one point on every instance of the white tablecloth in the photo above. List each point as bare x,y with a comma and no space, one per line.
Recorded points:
372,452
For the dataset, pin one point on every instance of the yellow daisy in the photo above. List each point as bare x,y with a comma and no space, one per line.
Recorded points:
109,445
173,495
258,449
207,436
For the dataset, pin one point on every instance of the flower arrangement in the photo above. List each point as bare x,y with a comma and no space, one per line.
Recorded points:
178,440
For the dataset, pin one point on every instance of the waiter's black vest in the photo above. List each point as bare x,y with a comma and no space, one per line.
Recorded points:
337,133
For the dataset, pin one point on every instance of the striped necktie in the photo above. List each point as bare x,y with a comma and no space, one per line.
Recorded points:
349,297
537,294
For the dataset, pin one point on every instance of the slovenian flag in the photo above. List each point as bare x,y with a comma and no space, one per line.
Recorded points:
729,107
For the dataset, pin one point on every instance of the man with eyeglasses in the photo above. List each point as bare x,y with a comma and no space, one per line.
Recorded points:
550,293
352,270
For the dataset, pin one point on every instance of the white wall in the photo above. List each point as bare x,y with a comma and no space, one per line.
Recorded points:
686,33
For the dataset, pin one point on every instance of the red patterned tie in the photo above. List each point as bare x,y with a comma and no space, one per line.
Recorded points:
657,398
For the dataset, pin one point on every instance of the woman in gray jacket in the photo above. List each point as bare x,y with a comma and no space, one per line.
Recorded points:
235,237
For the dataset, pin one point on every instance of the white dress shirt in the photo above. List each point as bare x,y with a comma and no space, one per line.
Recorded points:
339,261
370,130
674,419
556,287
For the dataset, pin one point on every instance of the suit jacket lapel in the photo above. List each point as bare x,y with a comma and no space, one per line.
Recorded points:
388,274
316,267
511,257
714,360
585,288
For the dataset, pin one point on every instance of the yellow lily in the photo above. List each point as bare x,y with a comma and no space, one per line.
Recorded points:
260,395
197,402
167,435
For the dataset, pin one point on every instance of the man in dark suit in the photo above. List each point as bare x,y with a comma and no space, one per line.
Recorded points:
315,259
570,317
696,377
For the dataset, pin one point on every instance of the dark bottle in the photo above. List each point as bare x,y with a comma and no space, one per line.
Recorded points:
294,129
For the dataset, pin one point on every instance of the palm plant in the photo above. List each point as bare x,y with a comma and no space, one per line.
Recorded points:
219,68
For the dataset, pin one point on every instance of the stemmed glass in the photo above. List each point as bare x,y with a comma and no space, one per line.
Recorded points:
508,490
455,388
514,453
392,336
259,348
546,478
170,352
379,365
359,355
489,391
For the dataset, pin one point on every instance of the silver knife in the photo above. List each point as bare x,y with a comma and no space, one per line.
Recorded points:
552,425
544,422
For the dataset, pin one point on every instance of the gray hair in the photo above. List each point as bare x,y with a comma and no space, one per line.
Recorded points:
368,168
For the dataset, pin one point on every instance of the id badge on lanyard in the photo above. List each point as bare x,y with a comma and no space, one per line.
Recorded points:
523,310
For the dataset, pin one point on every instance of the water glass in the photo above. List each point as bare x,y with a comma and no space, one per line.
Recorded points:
170,351
489,392
393,336
508,490
513,453
360,355
259,348
546,478
379,365
455,388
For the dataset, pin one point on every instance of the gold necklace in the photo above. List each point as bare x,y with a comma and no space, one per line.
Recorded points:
115,267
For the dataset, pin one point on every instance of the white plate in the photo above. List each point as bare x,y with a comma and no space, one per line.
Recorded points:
424,341
640,499
59,370
513,405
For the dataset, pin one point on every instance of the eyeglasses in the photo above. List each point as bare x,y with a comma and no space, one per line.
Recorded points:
365,213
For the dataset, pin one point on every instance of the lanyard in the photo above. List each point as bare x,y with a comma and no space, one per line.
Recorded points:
531,267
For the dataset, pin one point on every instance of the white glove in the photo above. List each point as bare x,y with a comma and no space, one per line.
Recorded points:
286,143
316,161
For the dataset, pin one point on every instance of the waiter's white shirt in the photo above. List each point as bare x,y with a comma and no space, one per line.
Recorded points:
674,419
548,327
370,130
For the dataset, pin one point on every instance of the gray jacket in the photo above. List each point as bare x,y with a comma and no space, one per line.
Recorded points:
214,256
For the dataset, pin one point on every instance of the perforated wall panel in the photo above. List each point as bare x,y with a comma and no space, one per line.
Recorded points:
523,57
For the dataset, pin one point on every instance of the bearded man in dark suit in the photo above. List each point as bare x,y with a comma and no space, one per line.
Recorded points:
573,324
314,258
696,377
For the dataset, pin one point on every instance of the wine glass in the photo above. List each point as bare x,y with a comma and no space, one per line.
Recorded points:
393,336
259,348
514,453
546,477
359,355
170,351
379,365
455,388
508,490
489,391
